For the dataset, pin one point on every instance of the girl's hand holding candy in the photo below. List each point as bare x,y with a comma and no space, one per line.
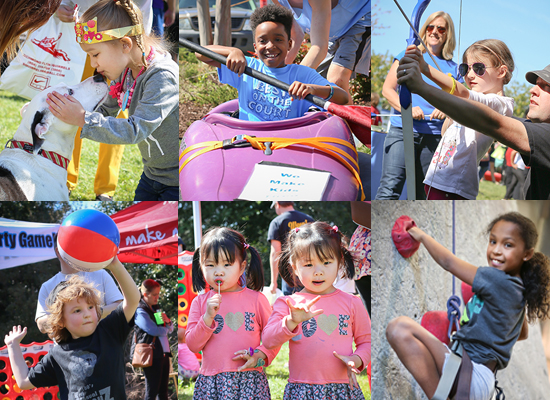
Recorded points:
352,364
301,312
212,307
15,336
252,361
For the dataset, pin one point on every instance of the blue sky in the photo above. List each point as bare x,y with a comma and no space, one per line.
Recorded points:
524,25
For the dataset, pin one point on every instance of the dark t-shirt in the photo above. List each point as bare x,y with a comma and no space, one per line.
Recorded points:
88,368
282,224
537,184
492,319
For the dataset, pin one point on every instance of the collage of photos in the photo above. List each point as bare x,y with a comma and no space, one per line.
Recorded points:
247,165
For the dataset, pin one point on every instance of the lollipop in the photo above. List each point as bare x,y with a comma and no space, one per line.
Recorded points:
219,285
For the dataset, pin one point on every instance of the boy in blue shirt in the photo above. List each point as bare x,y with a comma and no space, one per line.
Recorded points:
260,101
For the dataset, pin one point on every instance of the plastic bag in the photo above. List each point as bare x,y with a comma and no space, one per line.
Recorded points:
49,56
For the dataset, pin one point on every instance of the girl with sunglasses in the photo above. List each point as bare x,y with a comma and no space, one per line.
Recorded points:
487,66
438,35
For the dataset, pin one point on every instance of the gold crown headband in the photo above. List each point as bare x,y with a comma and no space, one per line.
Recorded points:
87,32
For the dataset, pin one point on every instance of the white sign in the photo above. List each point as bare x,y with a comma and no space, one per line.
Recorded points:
282,182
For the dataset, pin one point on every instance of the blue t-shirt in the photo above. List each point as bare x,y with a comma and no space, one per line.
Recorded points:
427,126
259,101
342,17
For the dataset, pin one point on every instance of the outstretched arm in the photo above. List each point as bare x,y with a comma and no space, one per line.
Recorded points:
444,257
18,365
128,287
474,115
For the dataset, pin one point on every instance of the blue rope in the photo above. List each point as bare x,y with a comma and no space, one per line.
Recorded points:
453,313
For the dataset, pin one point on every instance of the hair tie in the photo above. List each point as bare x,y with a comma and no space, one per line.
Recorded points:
296,230
246,245
335,229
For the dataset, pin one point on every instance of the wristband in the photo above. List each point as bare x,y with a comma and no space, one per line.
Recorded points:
454,85
331,93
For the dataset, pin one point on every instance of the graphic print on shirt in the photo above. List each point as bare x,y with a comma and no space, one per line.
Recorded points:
81,366
447,150
474,306
234,321
271,103
326,323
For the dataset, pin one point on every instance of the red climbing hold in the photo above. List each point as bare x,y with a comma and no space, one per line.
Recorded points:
405,244
437,323
466,292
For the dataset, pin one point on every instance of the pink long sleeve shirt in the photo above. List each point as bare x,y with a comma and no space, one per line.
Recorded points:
238,325
343,321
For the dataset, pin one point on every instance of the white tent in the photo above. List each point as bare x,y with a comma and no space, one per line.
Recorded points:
23,242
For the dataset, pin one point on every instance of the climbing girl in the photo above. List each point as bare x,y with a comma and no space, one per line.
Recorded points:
487,66
144,81
226,323
321,322
514,288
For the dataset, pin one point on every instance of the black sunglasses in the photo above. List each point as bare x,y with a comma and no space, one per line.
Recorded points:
478,68
440,29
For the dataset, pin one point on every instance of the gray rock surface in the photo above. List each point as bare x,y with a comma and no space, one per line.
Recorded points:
413,286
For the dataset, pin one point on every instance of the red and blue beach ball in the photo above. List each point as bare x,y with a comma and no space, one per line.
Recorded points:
88,240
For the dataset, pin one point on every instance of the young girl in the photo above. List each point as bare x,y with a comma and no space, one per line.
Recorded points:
487,66
145,81
495,318
320,321
226,323
88,362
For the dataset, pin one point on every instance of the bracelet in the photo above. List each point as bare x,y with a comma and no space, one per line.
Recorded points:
454,85
331,93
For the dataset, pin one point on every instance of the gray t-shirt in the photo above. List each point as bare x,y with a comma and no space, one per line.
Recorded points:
153,122
492,320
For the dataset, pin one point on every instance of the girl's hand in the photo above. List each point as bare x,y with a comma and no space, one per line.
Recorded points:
436,114
213,305
414,53
66,108
416,233
352,370
254,361
236,61
301,312
299,90
15,336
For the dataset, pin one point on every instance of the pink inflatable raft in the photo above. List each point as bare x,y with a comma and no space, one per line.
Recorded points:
218,153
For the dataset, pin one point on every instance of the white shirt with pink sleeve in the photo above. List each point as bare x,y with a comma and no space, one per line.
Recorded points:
241,318
311,361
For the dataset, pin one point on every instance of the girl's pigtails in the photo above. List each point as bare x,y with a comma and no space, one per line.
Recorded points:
348,262
196,272
130,8
535,274
255,271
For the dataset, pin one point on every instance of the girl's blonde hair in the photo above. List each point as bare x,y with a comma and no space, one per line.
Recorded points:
450,43
494,50
119,14
74,288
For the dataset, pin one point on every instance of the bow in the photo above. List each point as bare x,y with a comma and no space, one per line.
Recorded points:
405,100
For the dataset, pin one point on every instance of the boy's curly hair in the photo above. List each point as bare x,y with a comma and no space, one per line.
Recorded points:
535,273
315,238
272,13
73,288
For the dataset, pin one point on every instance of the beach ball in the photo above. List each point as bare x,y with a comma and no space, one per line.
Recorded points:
88,240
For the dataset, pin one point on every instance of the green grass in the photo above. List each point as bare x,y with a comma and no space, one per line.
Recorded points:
130,169
490,191
277,376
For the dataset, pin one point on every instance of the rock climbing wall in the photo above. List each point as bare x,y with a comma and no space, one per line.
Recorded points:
413,286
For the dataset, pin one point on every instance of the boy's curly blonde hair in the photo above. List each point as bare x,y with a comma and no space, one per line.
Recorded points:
73,288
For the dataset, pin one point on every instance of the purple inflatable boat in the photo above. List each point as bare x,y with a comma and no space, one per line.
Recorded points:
219,153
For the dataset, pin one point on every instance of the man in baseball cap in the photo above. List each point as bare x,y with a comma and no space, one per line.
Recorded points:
530,137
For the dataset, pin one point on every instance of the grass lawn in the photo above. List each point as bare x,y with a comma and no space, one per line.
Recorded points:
277,375
130,169
490,191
